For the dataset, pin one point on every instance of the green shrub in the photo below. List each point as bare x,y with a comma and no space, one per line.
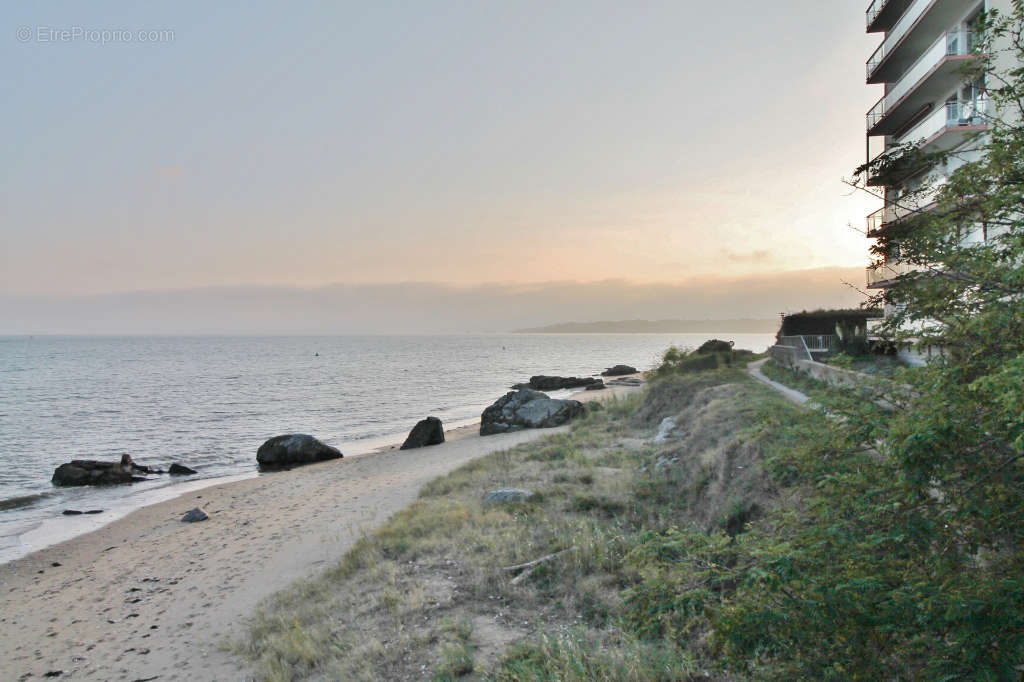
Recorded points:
715,346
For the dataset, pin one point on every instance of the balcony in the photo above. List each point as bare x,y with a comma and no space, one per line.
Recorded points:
910,36
939,129
931,77
893,213
884,274
883,14
948,126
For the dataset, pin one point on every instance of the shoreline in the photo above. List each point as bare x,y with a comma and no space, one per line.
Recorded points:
57,528
147,595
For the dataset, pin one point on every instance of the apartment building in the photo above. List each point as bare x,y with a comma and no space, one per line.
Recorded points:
925,44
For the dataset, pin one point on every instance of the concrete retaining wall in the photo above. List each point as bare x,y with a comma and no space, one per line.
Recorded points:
794,359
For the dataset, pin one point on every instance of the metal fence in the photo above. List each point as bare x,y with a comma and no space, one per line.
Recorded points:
808,344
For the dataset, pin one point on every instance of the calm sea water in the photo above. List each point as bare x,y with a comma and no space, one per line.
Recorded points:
209,402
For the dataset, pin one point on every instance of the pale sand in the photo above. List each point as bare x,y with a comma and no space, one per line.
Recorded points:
150,597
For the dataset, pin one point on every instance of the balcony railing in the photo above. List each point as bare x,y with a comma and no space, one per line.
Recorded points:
950,116
890,270
806,344
897,33
892,9
875,221
874,9
950,44
898,210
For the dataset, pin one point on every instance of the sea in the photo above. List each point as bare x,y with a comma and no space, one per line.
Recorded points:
208,402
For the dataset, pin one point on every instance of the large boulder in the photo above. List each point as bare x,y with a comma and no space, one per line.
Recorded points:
428,431
90,472
527,409
180,470
294,449
542,382
619,370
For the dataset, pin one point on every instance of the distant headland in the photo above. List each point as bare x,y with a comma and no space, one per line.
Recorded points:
741,326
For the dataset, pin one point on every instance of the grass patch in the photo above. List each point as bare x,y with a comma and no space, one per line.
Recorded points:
656,529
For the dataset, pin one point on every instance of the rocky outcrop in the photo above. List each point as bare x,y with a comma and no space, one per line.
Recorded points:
527,409
542,382
294,449
90,472
599,386
180,470
428,431
619,370
507,496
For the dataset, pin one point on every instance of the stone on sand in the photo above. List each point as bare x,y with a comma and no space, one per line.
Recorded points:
527,409
428,431
195,514
293,449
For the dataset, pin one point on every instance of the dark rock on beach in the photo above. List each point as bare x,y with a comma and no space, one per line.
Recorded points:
76,512
545,383
619,370
527,409
90,472
180,470
195,514
428,431
598,386
294,449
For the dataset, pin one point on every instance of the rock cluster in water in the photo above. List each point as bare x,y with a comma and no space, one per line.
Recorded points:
542,382
619,370
91,472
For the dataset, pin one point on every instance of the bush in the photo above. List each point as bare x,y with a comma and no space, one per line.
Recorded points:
715,346
679,361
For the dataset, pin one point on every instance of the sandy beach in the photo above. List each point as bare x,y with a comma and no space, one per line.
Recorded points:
148,597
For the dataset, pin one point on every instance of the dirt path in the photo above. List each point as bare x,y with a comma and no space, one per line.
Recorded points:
791,394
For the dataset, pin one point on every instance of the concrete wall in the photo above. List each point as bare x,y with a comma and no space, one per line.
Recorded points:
794,359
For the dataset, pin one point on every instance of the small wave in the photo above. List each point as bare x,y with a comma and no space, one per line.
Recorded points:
22,501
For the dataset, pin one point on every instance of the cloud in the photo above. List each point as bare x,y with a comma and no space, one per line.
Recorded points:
416,307
755,256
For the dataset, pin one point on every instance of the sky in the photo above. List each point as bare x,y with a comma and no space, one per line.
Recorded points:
205,147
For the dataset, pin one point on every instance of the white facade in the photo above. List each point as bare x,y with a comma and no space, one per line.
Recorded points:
925,44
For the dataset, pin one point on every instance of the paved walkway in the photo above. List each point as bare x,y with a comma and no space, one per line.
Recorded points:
791,394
